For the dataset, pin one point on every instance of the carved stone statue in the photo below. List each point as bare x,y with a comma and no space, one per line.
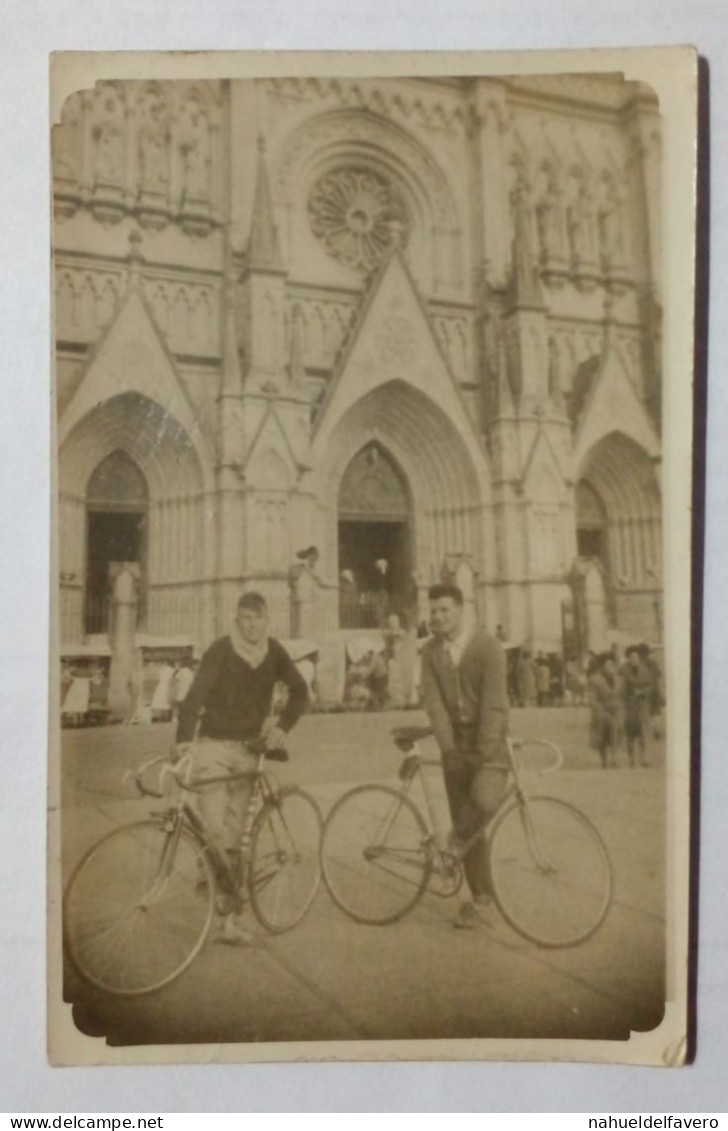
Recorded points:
124,583
579,222
153,145
65,140
194,148
610,225
108,134
548,222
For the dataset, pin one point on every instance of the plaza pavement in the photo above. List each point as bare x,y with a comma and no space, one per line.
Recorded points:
332,979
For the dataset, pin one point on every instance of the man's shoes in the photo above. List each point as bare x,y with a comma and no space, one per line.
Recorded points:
232,934
469,915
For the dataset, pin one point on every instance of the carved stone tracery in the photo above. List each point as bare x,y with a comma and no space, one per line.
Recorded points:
357,214
372,486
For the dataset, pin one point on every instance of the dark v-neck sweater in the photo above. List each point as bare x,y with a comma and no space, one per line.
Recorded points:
234,698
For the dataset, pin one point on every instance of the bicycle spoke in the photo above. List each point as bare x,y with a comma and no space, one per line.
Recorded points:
285,869
376,864
133,919
550,872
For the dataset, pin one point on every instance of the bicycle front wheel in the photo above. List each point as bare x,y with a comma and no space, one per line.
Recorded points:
138,908
376,861
285,860
550,872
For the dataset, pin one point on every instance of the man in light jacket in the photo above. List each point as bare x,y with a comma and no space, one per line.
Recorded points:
465,695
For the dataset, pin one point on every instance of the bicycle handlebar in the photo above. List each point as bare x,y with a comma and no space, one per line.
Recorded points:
181,771
515,744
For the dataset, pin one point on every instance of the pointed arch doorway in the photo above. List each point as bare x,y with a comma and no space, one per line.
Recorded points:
117,504
375,540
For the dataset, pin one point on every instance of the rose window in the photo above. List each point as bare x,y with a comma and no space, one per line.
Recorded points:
356,215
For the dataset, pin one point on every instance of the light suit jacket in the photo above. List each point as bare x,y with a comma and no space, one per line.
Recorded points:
467,707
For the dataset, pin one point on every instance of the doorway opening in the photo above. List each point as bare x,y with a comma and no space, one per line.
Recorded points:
375,560
117,504
592,525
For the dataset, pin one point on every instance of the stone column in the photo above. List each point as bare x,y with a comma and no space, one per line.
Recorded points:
124,679
303,619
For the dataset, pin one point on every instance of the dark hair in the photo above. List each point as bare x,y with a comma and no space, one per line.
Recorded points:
436,592
254,601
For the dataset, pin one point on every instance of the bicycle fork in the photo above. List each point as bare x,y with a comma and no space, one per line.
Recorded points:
172,832
533,840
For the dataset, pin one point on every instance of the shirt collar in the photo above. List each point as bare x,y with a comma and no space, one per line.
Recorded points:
457,646
253,654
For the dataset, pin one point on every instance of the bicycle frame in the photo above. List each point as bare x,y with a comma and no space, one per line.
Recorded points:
514,790
232,880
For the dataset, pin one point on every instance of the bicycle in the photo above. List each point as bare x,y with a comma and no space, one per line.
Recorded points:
139,905
550,873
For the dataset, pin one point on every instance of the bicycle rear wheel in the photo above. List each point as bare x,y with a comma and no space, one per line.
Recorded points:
550,872
138,908
285,865
376,862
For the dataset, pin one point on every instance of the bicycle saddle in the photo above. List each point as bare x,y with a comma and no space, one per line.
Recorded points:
406,737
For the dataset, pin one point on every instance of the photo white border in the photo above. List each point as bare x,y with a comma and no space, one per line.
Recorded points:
672,75
27,1081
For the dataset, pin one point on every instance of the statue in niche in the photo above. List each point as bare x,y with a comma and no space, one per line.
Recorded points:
108,135
65,140
194,151
548,220
610,224
555,385
153,144
579,223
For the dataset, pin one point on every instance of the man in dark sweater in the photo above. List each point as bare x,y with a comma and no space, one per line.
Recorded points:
465,692
231,698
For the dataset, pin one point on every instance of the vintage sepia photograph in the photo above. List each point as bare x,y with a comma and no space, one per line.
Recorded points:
371,600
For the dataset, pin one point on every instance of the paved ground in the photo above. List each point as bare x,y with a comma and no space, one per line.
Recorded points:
333,979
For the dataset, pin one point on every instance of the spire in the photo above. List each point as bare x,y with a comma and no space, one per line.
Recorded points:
526,284
609,324
135,257
506,403
231,372
556,392
296,368
264,253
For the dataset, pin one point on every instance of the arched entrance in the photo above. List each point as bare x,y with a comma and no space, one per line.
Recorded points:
432,465
117,505
374,538
619,526
132,488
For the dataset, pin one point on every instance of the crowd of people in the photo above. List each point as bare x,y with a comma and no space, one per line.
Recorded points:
625,700
382,673
536,681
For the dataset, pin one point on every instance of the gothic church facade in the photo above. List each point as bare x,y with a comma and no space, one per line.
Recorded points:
414,323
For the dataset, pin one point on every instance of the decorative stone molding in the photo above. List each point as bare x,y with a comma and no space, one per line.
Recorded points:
86,302
325,325
148,149
442,111
352,128
186,314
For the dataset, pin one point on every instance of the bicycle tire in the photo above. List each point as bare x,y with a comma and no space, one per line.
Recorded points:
285,860
371,882
550,872
138,908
